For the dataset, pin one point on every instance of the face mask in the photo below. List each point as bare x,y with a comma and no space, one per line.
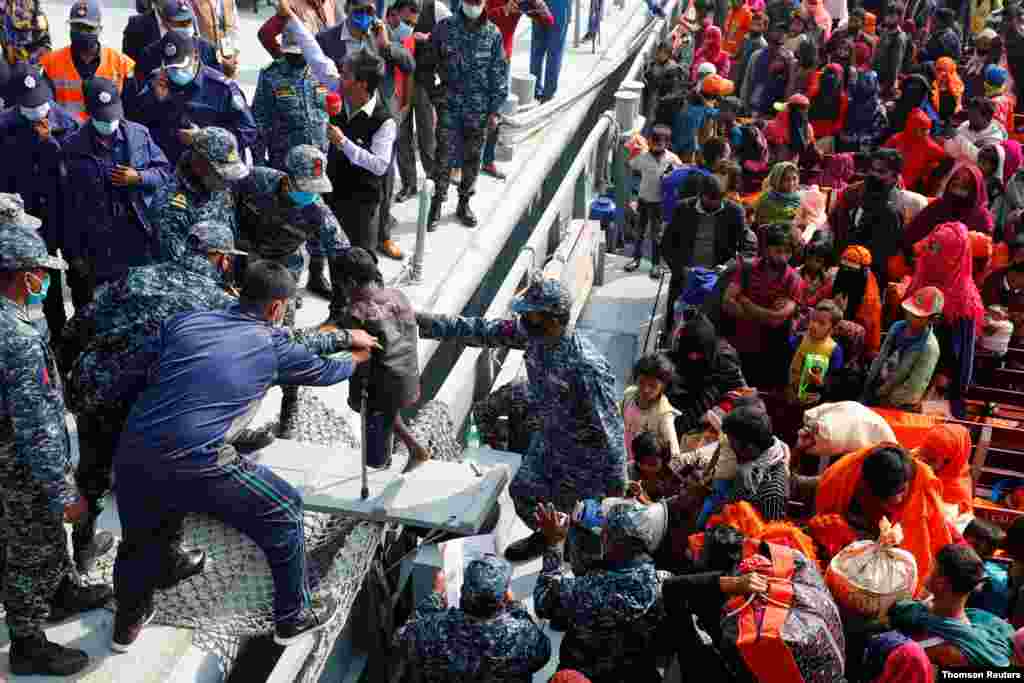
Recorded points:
82,41
302,198
533,328
187,31
295,61
473,11
105,128
36,298
180,77
403,31
35,113
361,21
960,201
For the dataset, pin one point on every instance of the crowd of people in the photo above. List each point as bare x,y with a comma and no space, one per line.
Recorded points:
836,193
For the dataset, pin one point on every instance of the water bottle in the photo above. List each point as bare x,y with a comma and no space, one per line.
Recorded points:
472,433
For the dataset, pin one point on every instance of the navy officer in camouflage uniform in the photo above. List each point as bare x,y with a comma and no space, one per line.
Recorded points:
474,71
580,451
36,487
198,191
290,108
614,613
489,638
278,211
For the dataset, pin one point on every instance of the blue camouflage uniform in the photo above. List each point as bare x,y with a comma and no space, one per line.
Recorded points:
184,201
35,455
211,99
580,451
474,71
614,614
272,227
290,108
481,642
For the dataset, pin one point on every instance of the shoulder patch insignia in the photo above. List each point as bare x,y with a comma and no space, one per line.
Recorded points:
285,91
179,201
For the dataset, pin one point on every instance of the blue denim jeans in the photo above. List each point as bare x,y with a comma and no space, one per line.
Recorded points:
241,493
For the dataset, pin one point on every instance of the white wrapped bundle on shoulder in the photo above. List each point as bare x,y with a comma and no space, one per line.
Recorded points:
844,427
869,577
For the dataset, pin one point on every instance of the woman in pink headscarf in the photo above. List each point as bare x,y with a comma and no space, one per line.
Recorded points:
944,260
711,51
964,199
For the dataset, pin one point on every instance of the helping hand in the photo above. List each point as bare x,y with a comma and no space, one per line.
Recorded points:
361,339
335,135
360,355
186,136
748,584
552,523
161,86
76,510
42,129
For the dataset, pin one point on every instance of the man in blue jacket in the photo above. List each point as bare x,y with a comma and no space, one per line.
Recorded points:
114,169
186,95
209,372
34,131
144,34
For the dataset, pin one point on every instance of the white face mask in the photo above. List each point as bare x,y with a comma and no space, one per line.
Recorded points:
473,11
35,113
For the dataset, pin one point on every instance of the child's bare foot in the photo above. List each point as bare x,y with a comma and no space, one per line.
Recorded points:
417,456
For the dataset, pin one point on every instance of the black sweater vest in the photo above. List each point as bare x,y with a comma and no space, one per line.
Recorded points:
351,181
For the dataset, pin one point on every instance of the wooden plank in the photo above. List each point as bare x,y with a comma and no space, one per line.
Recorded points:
981,451
994,395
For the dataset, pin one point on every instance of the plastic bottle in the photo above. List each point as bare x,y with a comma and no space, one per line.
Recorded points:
472,433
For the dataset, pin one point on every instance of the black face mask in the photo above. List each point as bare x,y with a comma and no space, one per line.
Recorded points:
84,42
533,328
875,186
960,201
295,61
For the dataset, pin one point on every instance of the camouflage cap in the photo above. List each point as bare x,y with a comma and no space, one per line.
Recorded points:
21,246
485,582
545,295
213,236
220,148
626,521
307,169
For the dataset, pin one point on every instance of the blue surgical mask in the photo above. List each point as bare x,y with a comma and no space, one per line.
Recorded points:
187,31
403,31
179,76
105,128
361,21
473,11
302,198
35,113
36,298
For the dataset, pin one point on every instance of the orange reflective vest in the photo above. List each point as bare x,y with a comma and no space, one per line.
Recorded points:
67,84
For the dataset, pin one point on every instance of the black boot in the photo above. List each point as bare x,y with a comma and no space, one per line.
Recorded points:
37,656
339,311
289,412
252,440
179,566
72,599
436,203
465,214
87,544
317,283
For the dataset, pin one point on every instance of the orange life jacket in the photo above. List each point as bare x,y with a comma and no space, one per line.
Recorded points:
67,83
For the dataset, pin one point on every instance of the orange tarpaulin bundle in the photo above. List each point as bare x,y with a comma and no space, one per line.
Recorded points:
910,428
635,146
920,513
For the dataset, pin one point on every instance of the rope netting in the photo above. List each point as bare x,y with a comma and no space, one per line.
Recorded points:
233,598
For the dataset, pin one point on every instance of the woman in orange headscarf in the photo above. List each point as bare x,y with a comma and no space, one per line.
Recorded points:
947,89
855,289
886,481
947,448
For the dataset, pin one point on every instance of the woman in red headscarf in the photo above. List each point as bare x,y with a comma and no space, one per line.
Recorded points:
964,200
921,154
827,113
944,261
947,449
711,51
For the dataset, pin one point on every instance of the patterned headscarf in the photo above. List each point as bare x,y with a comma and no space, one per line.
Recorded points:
945,74
858,254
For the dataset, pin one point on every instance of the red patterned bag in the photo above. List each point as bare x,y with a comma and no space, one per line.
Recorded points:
791,633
